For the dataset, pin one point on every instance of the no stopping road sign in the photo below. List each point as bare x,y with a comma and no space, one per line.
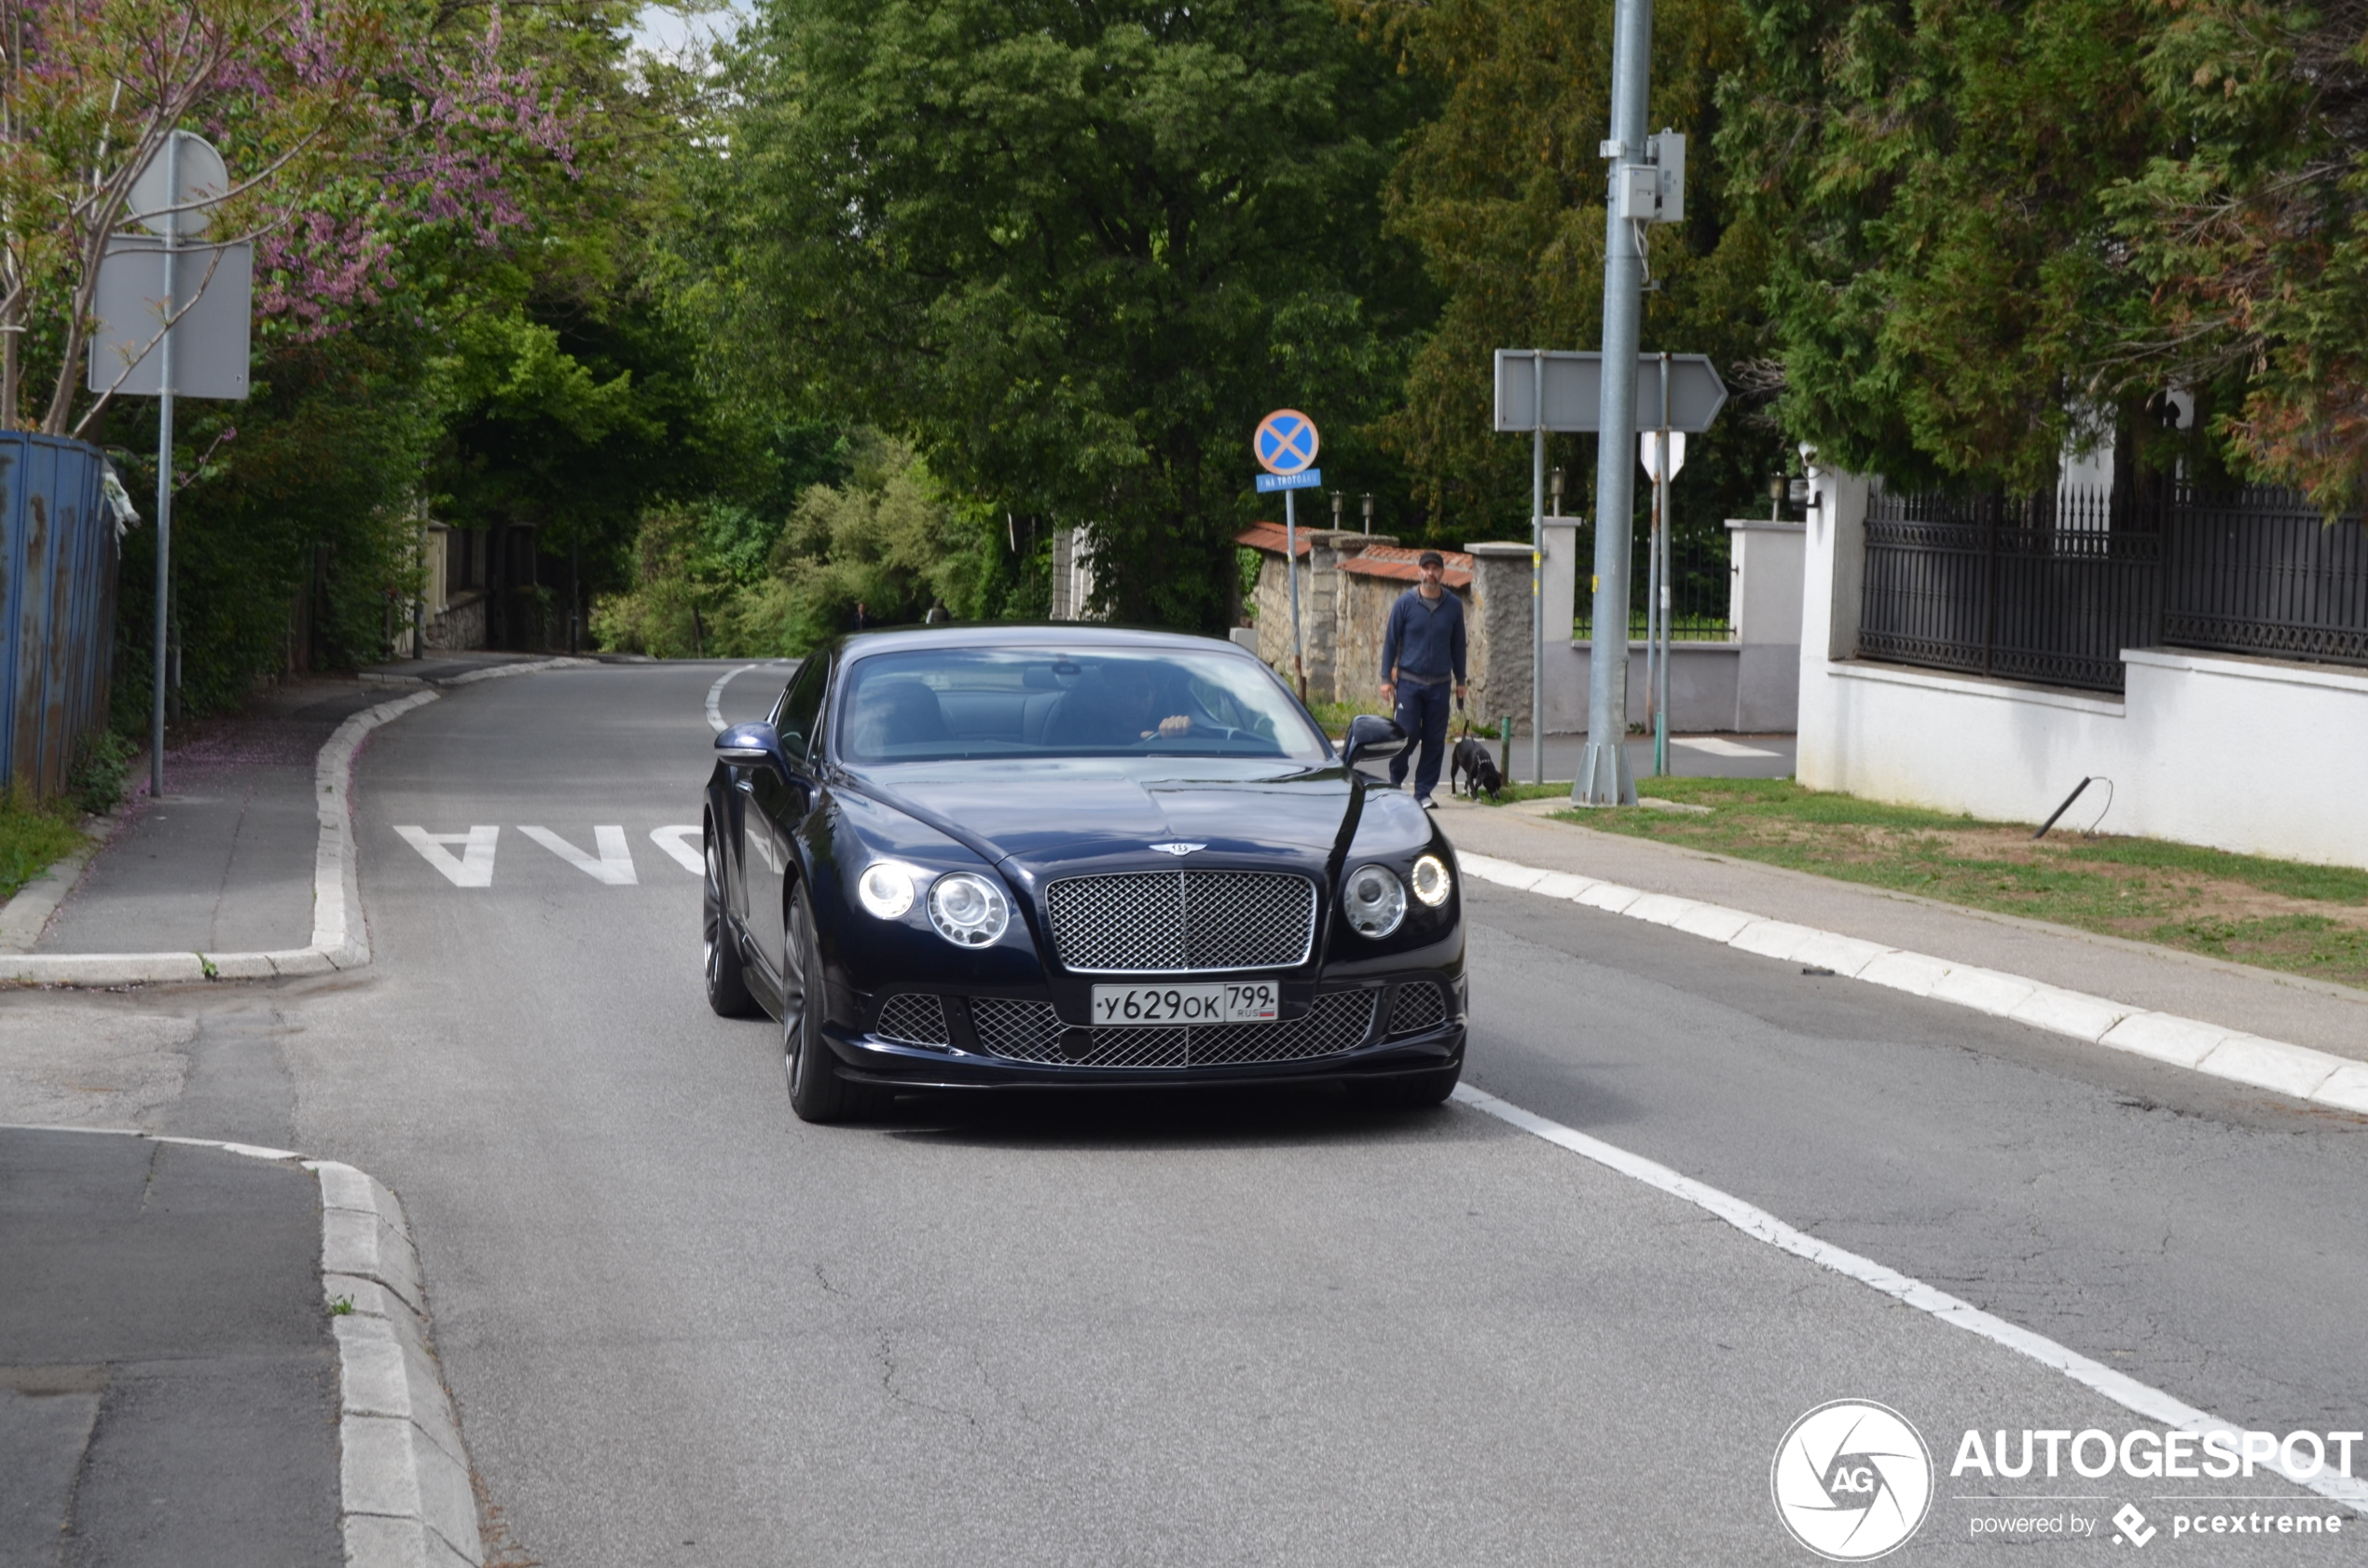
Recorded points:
1285,442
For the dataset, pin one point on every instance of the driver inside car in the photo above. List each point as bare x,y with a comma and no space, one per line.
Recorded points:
1117,704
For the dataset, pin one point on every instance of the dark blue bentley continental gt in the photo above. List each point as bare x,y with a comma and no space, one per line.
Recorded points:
1047,856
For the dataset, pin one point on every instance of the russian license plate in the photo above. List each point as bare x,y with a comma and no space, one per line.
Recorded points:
1247,1002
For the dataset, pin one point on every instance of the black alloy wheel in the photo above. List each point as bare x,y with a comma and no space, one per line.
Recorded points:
817,1092
727,985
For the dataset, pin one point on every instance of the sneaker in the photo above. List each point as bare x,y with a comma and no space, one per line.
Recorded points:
1426,802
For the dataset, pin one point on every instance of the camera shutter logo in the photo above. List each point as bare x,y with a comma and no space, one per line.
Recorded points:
1852,1480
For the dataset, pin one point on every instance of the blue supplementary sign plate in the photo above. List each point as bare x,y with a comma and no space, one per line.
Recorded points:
1285,442
1307,479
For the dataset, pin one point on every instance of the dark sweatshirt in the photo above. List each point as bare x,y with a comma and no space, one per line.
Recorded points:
1425,640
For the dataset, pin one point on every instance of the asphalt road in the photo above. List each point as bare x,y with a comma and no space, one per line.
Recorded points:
683,1326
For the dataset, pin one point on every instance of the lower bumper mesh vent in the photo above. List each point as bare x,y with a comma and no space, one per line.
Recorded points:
1033,1032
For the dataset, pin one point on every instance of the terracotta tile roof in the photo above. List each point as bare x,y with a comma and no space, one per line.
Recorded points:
1374,563
1268,537
1398,562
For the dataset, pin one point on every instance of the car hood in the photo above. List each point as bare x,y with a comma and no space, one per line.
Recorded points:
1059,814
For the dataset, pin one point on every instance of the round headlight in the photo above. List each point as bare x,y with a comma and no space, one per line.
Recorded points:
1374,901
1431,880
967,910
886,888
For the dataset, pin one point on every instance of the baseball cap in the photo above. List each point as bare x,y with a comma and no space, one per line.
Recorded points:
1430,557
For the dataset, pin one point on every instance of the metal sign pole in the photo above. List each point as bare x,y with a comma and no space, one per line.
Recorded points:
1603,776
164,466
1537,574
1664,523
1657,451
1290,571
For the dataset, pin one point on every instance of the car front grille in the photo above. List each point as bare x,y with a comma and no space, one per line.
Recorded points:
1421,1007
914,1017
1033,1032
1178,922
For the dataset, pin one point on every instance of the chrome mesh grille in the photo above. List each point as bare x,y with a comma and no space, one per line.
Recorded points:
1033,1032
1338,1021
914,1017
1023,1031
1421,1007
1181,921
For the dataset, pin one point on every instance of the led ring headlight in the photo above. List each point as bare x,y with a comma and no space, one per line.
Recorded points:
967,910
886,888
1431,881
1374,901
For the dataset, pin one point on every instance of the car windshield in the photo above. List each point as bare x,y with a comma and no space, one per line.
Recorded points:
937,704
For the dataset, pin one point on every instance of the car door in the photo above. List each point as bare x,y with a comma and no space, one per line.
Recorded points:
779,802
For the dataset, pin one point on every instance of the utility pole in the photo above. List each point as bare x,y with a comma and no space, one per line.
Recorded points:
1603,776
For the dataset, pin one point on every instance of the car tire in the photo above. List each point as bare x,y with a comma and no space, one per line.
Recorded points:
727,982
1409,1090
817,1092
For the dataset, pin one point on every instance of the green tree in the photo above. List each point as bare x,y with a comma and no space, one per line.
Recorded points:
2249,228
1073,250
1946,286
1502,190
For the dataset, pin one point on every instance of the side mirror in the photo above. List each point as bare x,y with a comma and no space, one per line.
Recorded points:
755,742
1370,736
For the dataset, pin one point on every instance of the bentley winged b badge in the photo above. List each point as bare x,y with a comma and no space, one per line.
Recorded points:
1178,850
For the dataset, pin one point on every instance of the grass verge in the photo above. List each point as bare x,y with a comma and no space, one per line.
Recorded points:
2279,915
31,839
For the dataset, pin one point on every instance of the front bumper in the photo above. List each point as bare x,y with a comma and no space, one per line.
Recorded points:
1392,1042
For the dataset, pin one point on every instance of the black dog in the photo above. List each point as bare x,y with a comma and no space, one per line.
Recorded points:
1471,769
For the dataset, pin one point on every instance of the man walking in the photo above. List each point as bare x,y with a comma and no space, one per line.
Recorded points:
1422,649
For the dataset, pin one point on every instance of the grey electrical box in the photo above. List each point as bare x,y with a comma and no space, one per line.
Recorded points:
1639,193
1668,163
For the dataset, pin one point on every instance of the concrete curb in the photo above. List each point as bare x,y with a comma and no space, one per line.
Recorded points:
409,1502
25,916
405,1499
2333,1081
340,935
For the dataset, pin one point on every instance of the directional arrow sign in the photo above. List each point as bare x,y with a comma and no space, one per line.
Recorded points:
1575,388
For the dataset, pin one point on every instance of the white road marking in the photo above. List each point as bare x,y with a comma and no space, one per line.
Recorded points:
614,865
2149,1402
474,868
676,842
715,697
1718,748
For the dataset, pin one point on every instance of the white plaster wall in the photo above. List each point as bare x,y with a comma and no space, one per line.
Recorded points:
2261,756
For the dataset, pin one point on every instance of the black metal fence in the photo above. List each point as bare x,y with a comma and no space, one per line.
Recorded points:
1699,589
2050,588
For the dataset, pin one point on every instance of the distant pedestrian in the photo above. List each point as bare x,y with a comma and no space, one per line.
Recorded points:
861,619
1421,653
938,615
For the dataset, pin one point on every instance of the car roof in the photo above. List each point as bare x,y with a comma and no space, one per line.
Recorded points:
1079,635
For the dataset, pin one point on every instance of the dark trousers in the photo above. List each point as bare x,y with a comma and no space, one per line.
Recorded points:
1422,713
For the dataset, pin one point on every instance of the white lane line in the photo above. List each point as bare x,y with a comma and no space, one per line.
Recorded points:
1757,1223
676,842
472,868
614,865
715,697
1718,747
2211,1049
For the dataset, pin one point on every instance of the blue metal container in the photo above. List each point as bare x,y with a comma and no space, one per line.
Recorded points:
58,552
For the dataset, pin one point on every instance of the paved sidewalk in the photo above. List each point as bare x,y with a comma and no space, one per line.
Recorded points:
2331,1018
169,1390
223,862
